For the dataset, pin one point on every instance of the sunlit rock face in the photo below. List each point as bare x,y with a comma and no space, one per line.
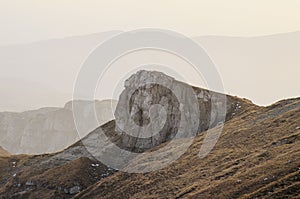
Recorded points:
50,129
154,108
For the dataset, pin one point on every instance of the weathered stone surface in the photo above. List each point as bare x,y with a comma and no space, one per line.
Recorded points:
154,108
74,190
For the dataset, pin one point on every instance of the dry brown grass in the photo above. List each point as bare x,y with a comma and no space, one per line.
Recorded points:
257,156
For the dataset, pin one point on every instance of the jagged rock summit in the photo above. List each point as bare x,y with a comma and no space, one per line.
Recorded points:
154,108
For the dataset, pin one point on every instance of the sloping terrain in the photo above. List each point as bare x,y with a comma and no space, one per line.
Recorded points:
257,156
59,175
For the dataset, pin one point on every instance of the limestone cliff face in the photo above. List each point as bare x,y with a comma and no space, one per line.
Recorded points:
49,129
154,108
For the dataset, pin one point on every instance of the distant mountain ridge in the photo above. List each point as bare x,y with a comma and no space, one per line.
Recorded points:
48,130
53,66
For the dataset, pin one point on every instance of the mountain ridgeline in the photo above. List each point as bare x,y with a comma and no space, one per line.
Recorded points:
256,156
52,129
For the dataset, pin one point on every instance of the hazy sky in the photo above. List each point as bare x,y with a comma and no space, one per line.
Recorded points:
23,21
44,73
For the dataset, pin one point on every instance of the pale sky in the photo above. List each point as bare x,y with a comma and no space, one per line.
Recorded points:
43,73
24,21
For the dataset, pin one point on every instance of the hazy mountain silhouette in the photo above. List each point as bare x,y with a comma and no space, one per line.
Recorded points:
42,74
253,66
51,129
250,67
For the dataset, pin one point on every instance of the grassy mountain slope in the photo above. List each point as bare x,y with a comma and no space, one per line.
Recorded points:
257,156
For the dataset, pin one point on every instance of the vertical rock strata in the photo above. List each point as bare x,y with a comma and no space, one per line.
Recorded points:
154,108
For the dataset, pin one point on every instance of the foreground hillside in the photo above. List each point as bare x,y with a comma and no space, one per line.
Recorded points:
257,156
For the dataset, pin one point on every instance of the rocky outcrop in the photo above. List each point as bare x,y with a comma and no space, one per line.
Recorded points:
154,108
49,129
